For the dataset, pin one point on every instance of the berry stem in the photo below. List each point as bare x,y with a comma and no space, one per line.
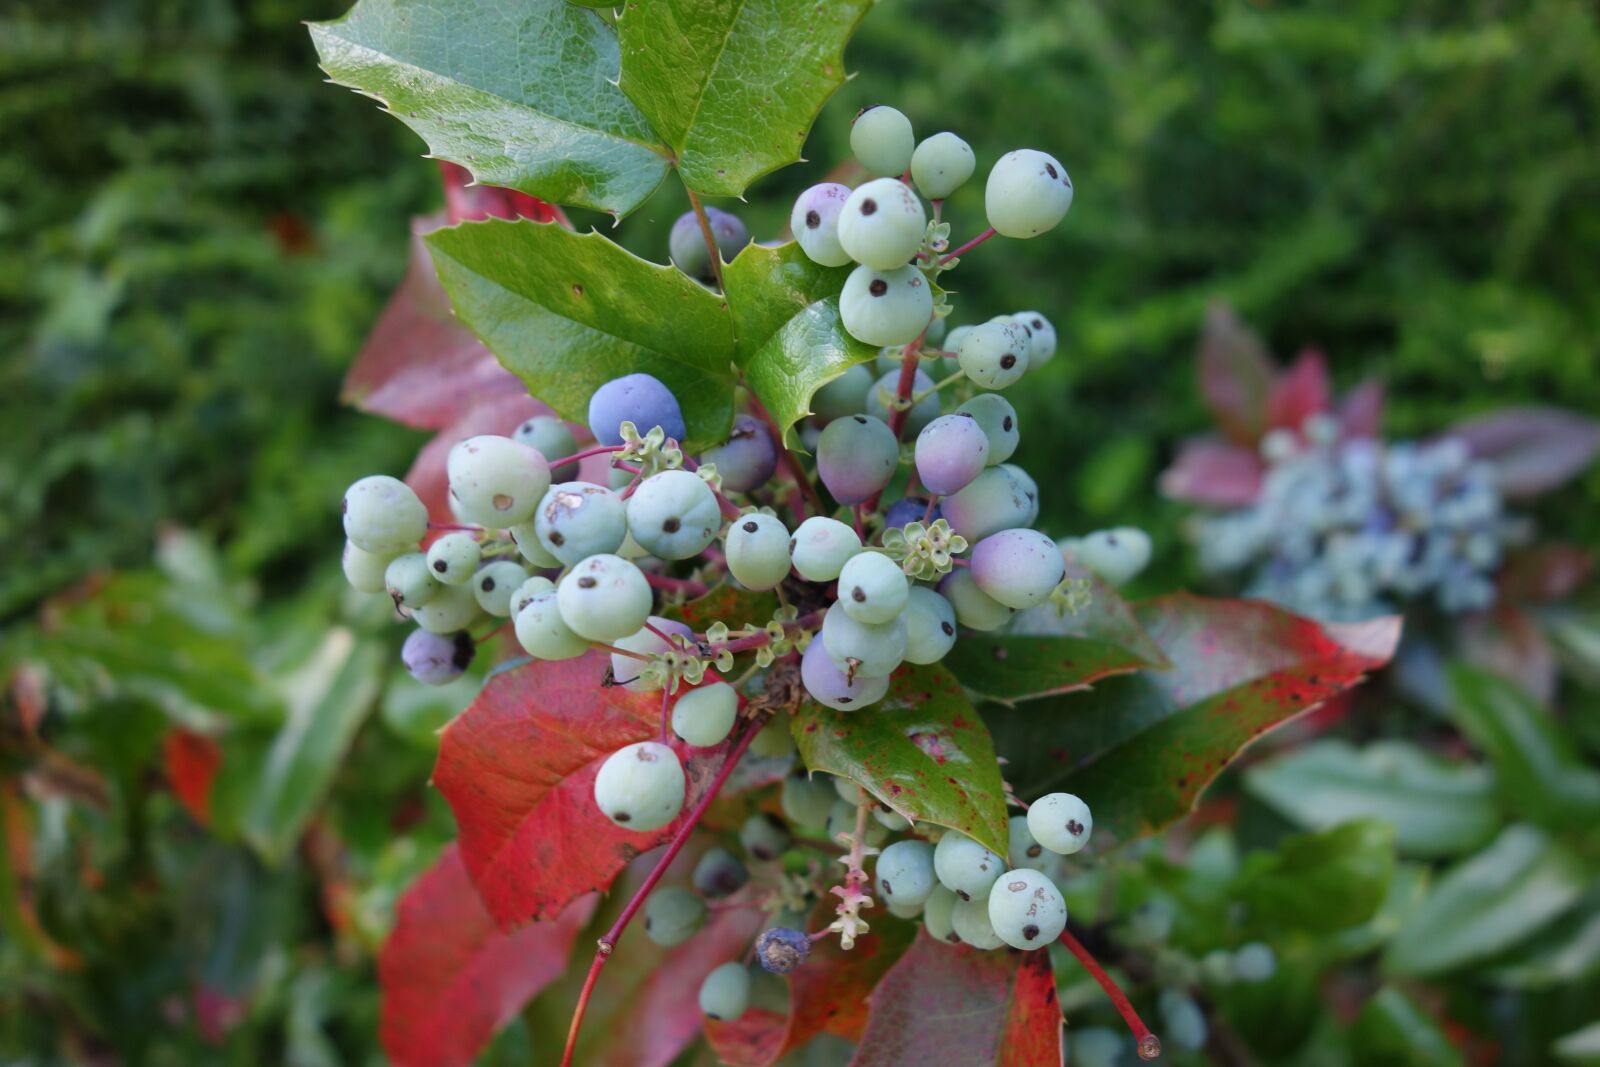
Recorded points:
615,651
597,450
938,385
666,715
465,527
805,492
933,502
1149,1044
905,387
687,586
608,943
761,640
974,243
710,238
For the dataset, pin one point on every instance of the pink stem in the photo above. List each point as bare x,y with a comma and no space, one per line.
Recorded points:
687,586
598,450
1149,1044
974,243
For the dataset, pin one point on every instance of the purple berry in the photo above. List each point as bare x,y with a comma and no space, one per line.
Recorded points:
748,458
1019,568
829,685
636,398
437,659
856,457
910,509
782,949
686,244
951,451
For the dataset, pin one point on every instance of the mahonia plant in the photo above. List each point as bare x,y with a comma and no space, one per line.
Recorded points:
763,544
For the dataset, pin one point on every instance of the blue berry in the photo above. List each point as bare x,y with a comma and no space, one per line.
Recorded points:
437,659
748,458
576,520
1028,193
1019,568
886,306
636,398
882,225
719,873
881,139
910,509
674,514
781,949
815,223
950,452
856,457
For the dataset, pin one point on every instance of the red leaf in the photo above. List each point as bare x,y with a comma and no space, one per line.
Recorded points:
1546,572
1214,473
1361,411
216,1013
192,761
1236,375
1533,450
1299,392
467,201
828,994
951,1004
450,978
518,769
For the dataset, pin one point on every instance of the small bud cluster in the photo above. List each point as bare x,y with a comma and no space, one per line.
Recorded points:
1349,528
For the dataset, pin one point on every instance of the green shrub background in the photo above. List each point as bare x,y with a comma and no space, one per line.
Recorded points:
196,233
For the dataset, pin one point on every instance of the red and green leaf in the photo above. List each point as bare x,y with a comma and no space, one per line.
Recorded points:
1236,375
923,751
953,1004
518,768
1141,748
451,978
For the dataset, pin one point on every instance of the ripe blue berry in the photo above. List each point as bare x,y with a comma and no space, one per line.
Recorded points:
672,915
951,451
725,993
856,457
910,509
881,399
495,584
828,685
748,457
641,786
965,867
603,598
998,419
881,139
764,836
998,499
994,354
1060,822
383,516
451,608
494,481
674,514
362,569
576,520
704,716
930,626
815,223
885,306
1028,193
781,949
970,918
882,225
905,873
437,659
408,581
821,546
873,588
719,873
543,633
757,549
626,670
870,649
942,164
1026,910
551,438
1019,568
974,608
845,395
636,398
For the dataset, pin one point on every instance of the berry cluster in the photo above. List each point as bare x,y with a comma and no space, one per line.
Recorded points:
960,891
1350,527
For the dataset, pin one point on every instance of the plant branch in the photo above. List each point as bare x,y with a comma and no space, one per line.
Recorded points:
608,943
1148,1043
686,586
597,450
710,238
974,243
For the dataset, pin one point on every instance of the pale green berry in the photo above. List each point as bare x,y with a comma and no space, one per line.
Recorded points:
543,633
994,354
905,911
974,608
576,520
886,306
905,873
1028,193
383,516
1041,337
891,820
704,716
604,597
930,626
845,395
873,588
672,915
820,548
1182,1021
1026,910
868,649
882,225
408,581
1116,556
806,800
965,867
764,837
1023,850
1254,961
628,671
970,918
495,481
938,915
1060,822
942,164
846,788
526,538
881,138
725,994
998,419
453,558
641,786
364,570
495,584
674,514
774,741
757,550
529,589
842,820
550,437
451,608
881,399
814,221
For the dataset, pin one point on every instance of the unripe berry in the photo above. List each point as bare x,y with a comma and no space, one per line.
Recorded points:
674,514
974,608
437,659
815,223
550,437
1060,822
807,800
494,585
821,546
641,786
1019,568
408,581
965,867
686,244
383,516
951,451
494,481
871,649
938,916
905,873
971,921
998,499
603,598
882,397
994,354
882,225
719,873
704,716
1026,910
873,588
998,420
364,570
1041,337
886,306
576,520
1028,193
828,685
856,457
942,164
672,915
764,836
451,608
627,671
845,395
757,549
882,140
543,633
725,993
930,626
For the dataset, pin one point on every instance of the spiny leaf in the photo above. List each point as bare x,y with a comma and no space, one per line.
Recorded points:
733,86
523,95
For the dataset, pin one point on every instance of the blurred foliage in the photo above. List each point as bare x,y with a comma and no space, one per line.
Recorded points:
197,233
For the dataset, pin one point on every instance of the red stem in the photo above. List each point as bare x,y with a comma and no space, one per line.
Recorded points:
974,243
677,585
666,717
745,644
805,492
906,386
1149,1044
709,237
597,450
609,942
455,526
